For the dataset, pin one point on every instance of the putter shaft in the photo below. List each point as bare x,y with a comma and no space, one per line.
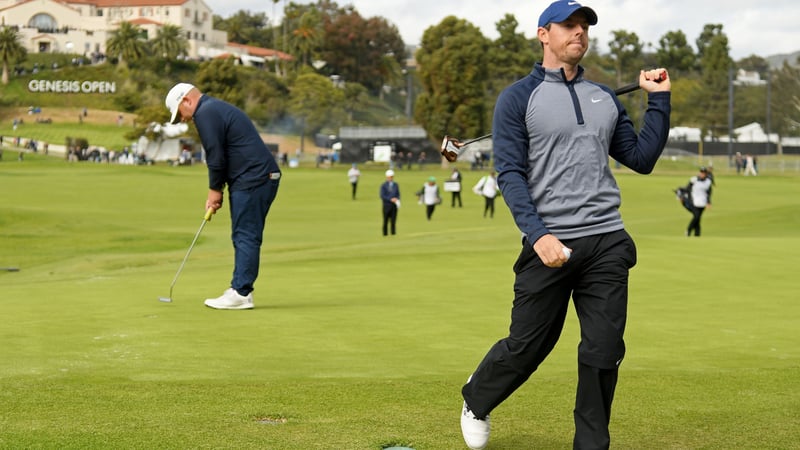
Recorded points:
206,219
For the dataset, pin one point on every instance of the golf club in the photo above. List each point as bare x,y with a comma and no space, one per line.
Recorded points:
206,219
453,147
9,269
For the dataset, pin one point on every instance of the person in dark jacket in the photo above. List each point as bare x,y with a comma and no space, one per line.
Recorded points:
553,134
236,157
390,198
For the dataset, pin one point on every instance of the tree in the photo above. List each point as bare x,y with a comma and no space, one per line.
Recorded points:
169,44
222,79
785,100
512,55
267,97
11,49
359,50
712,92
308,35
454,72
355,98
754,63
675,54
246,28
626,52
316,103
709,33
127,43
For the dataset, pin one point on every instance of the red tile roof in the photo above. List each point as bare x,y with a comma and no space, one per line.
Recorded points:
128,3
262,52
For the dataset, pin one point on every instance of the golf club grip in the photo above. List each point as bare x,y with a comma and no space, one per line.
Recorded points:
209,213
634,86
627,88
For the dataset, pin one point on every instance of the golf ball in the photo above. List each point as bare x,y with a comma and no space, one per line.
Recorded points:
567,252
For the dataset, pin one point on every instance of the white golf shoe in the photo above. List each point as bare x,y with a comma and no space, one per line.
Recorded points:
231,299
474,430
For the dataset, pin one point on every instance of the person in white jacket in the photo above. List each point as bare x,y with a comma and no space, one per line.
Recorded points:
429,196
700,188
487,187
352,175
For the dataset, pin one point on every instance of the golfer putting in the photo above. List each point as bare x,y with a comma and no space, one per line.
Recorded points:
238,159
553,133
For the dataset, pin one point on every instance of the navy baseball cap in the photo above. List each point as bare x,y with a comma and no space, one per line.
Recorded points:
560,11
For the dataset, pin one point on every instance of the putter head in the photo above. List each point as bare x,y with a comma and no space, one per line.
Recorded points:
450,146
165,299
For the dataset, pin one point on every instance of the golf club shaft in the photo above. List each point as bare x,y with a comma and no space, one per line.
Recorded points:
485,136
206,219
628,88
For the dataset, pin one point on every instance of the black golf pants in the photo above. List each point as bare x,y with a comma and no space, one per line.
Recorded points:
596,277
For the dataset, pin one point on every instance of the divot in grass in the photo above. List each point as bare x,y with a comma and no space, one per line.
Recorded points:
271,420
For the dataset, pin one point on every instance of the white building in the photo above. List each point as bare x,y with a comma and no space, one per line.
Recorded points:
752,132
83,26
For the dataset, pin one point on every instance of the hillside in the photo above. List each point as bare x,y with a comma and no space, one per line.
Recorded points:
101,129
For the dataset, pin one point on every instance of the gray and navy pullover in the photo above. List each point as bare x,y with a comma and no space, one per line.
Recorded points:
552,139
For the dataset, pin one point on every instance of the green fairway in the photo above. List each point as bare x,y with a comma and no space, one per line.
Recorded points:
360,341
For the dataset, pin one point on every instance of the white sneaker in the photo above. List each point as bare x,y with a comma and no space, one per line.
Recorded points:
231,299
474,430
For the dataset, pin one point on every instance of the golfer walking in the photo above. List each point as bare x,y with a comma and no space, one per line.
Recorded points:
700,188
553,134
237,158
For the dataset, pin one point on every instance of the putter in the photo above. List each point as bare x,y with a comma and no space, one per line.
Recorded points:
453,147
206,219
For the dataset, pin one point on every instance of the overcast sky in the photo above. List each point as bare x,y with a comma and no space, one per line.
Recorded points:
760,27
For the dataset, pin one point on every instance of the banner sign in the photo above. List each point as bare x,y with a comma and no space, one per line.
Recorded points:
70,86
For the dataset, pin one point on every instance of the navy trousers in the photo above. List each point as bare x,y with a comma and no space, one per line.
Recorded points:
249,210
596,277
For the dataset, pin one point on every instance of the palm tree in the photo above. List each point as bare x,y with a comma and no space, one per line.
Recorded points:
169,43
126,43
307,37
11,49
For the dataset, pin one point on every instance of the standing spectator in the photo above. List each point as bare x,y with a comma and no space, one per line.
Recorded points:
455,178
700,188
429,194
488,188
739,162
390,196
353,175
750,166
236,157
553,135
422,160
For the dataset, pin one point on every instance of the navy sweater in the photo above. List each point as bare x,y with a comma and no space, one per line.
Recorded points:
235,154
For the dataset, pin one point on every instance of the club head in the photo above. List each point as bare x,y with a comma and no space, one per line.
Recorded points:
450,148
165,299
10,269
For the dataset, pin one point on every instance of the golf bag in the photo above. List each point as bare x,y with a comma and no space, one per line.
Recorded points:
684,195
